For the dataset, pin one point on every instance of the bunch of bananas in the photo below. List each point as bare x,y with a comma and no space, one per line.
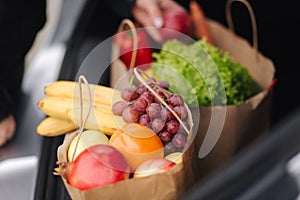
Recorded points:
65,110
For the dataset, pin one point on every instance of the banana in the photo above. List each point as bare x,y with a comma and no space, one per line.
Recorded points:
70,89
59,106
63,110
100,118
51,126
97,120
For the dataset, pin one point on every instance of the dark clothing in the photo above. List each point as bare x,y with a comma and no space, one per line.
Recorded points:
20,21
98,21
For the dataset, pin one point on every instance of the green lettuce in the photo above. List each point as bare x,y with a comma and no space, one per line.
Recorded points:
203,74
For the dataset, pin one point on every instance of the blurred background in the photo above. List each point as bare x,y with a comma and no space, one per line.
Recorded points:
277,40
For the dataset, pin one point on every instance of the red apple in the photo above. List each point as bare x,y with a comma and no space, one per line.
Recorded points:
176,22
124,41
153,166
96,166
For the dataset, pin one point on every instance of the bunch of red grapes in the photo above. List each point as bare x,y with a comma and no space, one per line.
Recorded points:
140,105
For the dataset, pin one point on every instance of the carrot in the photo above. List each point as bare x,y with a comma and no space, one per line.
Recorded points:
199,22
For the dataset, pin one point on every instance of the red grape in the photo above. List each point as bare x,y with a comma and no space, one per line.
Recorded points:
148,96
165,136
181,111
140,104
166,114
130,115
158,124
181,129
145,120
118,107
172,126
150,82
161,94
163,84
169,148
129,94
178,140
140,89
153,110
175,100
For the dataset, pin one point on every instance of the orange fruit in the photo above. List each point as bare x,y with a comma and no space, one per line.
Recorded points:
137,143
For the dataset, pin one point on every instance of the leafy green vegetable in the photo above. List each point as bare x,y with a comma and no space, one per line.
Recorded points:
203,74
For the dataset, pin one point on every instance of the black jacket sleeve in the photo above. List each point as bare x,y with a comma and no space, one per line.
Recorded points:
5,103
20,22
121,7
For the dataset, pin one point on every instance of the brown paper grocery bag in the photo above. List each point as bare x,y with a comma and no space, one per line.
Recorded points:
161,186
247,121
242,123
118,68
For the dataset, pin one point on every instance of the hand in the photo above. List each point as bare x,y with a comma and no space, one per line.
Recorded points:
149,13
7,129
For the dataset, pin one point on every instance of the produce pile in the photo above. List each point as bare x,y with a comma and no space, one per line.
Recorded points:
139,105
149,140
202,73
146,128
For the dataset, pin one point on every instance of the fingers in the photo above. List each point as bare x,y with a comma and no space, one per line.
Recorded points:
154,33
155,14
148,14
7,129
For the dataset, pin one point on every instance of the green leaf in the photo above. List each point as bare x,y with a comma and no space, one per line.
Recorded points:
203,74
